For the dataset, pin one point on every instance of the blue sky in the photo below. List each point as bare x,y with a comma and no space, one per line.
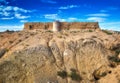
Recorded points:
14,13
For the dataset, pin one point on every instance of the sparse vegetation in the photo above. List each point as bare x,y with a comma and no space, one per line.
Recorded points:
73,75
107,32
73,70
60,36
117,52
90,31
74,31
118,32
10,42
8,31
49,31
116,49
103,74
65,34
114,59
62,74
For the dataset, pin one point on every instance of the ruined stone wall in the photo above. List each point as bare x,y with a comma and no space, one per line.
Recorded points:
64,25
37,25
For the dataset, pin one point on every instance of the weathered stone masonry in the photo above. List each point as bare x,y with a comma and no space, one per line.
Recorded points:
63,25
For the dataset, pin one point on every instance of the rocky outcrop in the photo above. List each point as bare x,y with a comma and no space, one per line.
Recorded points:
91,56
43,63
61,57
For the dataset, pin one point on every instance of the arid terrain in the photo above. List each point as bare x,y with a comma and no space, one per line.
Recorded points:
69,56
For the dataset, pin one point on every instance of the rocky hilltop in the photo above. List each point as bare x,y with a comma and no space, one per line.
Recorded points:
69,56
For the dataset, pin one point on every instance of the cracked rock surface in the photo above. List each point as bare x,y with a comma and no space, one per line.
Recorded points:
38,56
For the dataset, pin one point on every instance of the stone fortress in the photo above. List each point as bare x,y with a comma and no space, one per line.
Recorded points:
58,26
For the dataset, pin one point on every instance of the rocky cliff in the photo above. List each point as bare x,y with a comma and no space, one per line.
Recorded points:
82,56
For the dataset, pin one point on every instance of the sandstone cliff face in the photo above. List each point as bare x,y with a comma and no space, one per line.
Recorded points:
38,58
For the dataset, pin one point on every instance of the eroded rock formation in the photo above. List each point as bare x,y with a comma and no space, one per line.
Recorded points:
62,57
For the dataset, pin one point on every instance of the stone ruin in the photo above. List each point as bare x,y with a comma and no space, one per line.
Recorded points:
57,26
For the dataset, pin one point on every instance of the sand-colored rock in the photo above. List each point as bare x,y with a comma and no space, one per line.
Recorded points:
112,77
91,56
36,56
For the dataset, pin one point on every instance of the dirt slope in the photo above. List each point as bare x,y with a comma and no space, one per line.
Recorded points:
82,56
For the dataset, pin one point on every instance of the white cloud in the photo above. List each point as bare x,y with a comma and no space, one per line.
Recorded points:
23,21
51,16
11,11
73,6
69,7
62,20
96,19
57,17
5,13
19,16
111,25
103,11
109,9
7,18
49,1
70,19
99,14
73,19
17,9
7,8
11,27
54,17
